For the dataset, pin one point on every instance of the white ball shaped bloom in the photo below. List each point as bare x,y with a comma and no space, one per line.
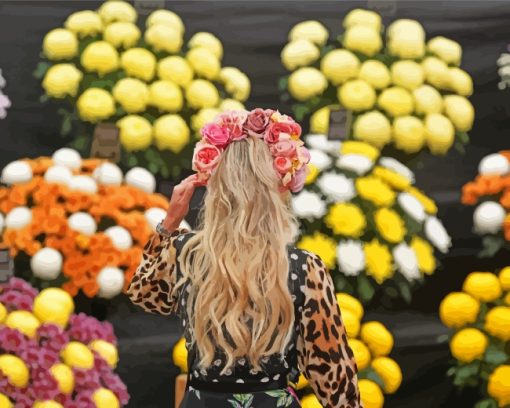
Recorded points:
436,233
488,217
85,184
319,159
154,216
351,257
406,261
58,174
110,281
83,223
109,174
392,164
308,205
18,217
120,237
16,172
494,164
321,142
412,206
67,157
337,187
141,178
47,263
356,163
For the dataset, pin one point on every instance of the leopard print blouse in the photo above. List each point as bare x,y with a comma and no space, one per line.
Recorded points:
320,342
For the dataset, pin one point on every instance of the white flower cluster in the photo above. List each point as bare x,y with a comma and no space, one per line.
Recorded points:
4,99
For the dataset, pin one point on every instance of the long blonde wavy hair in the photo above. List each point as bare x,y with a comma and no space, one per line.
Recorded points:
237,262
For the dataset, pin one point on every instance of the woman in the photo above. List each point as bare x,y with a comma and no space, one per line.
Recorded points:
254,308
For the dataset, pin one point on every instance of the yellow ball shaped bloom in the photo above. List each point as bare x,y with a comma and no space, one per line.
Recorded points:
299,53
458,309
390,225
497,322
392,178
468,344
84,23
425,255
448,50
202,117
362,39
498,385
373,127
357,95
406,46
396,101
348,302
104,398
135,133
61,80
64,377
339,66
390,373
361,353
132,94
405,27
60,44
427,100
429,204
53,305
436,72
165,17
460,82
175,69
310,30
346,219
139,63
483,286
163,38
180,355
122,34
95,104
100,57
408,133
319,121
460,111
375,73
47,404
351,323
23,321
322,245
310,401
236,83
439,133
166,96
106,350
15,370
371,394
171,133
78,355
373,189
377,338
504,278
378,260
407,74
5,402
207,40
362,148
204,62
231,104
3,313
202,94
116,10
363,17
306,83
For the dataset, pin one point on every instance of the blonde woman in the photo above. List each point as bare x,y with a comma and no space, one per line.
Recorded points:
255,310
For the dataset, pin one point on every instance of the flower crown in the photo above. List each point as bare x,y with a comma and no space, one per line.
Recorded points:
280,132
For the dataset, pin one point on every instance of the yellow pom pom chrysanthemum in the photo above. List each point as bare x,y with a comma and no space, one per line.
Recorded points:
363,39
204,62
357,95
163,38
497,322
209,41
135,133
60,44
53,305
236,83
483,286
116,10
78,355
408,133
468,344
15,370
104,398
390,225
166,96
351,323
175,69
379,263
95,104
139,63
339,66
64,377
62,80
377,337
132,94
390,373
361,353
498,385
299,53
374,189
122,34
307,82
310,30
346,219
100,57
375,73
322,245
23,321
84,23
396,101
372,127
165,17
371,394
171,132
202,94
106,350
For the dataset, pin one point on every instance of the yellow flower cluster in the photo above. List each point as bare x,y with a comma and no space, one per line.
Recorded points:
417,101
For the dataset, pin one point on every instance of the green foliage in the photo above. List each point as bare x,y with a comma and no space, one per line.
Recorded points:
491,245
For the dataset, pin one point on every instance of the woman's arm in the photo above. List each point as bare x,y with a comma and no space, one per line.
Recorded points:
323,352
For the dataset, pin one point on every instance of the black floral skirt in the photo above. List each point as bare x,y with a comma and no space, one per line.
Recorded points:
260,399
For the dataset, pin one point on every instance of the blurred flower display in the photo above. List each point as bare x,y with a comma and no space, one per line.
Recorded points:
504,69
5,102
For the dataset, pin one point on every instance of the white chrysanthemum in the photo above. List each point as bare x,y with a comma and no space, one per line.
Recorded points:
120,237
18,217
47,263
357,163
406,261
67,157
110,281
351,257
58,174
83,183
336,187
141,178
82,222
319,159
321,142
308,205
412,206
393,164
108,173
488,217
436,233
16,172
495,164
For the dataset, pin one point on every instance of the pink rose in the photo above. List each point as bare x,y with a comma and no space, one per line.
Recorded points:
304,154
282,164
298,179
233,121
277,131
215,134
205,157
285,148
257,122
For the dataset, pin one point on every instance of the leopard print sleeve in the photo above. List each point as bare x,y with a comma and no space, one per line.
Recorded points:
324,355
154,280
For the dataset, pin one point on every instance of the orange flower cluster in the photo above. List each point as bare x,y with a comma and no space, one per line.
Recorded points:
84,256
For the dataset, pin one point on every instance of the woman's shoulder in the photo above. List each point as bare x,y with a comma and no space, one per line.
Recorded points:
307,265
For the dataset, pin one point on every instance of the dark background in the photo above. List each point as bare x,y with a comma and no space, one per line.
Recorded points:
253,34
